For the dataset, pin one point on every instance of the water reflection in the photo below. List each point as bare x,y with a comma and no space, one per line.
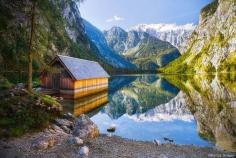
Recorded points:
149,108
212,100
138,96
86,104
190,109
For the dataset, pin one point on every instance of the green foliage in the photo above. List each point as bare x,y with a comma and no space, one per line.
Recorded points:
21,114
48,100
229,64
51,37
177,66
5,84
152,54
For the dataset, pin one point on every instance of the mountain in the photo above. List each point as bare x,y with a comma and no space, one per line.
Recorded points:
105,52
177,35
145,51
59,29
212,46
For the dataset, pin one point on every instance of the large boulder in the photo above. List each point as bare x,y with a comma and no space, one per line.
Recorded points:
85,128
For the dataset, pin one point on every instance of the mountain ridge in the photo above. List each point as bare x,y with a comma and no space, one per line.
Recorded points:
106,53
212,46
177,35
145,51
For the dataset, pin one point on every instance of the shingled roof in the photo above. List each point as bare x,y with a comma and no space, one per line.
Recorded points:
82,69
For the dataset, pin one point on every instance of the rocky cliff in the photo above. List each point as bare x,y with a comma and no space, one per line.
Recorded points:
212,46
59,29
145,51
105,52
177,35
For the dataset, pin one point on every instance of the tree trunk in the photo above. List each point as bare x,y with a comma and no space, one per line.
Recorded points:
30,54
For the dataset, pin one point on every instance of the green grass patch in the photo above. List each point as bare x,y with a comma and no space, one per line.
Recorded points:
26,113
5,84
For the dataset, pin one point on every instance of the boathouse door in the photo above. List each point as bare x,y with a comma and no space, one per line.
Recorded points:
56,81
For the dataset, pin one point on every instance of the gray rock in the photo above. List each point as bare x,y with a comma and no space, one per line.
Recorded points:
56,128
66,129
85,128
38,89
75,141
162,156
84,151
44,142
69,117
63,122
20,86
12,94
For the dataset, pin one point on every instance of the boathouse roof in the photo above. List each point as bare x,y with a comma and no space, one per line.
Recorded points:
82,69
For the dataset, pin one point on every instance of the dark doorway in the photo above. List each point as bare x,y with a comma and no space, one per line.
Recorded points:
56,81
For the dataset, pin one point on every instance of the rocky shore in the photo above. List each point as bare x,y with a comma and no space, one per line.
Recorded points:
75,138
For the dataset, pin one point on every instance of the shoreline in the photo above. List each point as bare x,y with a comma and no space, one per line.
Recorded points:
104,147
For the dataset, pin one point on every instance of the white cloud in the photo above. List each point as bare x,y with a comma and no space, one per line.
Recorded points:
115,18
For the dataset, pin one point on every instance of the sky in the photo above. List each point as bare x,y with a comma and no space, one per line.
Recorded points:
127,13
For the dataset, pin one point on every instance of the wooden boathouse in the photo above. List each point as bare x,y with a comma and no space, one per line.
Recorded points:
74,78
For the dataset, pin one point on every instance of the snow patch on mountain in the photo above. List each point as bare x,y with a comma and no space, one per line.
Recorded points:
177,35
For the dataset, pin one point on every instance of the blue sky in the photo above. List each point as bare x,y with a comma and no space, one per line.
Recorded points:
127,13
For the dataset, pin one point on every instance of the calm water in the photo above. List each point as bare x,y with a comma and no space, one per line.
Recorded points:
198,110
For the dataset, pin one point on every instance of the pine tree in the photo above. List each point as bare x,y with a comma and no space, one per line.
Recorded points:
31,43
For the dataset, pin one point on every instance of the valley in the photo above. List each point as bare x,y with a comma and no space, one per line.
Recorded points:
82,78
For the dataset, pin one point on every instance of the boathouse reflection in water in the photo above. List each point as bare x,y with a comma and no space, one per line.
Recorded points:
86,104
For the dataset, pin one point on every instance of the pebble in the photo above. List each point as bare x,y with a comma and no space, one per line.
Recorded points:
84,151
75,141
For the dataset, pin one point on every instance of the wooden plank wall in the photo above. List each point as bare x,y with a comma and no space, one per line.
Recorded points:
96,82
85,87
46,81
66,83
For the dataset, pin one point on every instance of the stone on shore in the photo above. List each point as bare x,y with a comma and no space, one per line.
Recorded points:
85,128
75,141
64,122
84,151
44,142
69,117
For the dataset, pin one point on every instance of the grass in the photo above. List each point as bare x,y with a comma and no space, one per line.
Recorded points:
5,84
26,113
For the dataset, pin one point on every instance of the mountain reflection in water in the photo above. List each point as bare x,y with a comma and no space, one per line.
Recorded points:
212,101
198,110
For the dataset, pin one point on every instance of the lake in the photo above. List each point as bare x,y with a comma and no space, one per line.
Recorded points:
188,109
